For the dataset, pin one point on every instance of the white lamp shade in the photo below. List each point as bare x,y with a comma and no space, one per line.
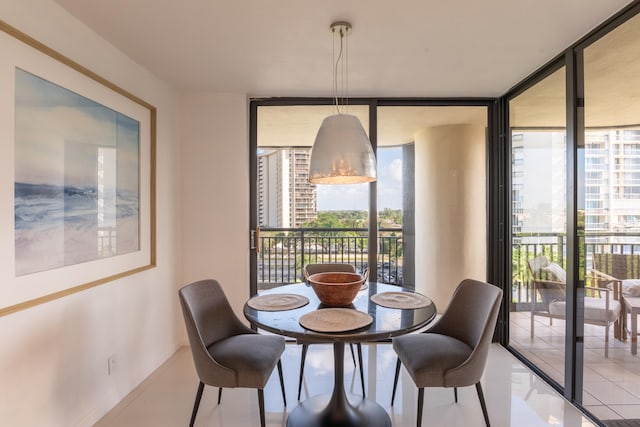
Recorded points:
342,153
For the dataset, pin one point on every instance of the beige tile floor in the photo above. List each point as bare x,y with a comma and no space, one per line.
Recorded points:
611,385
514,395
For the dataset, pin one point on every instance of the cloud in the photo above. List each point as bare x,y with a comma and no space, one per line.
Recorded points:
395,170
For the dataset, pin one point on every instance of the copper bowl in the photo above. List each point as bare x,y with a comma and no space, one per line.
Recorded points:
336,289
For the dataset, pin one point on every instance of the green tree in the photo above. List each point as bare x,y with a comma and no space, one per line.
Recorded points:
390,217
338,219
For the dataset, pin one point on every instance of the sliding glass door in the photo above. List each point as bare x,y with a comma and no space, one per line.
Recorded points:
422,225
574,133
609,202
300,222
432,171
538,224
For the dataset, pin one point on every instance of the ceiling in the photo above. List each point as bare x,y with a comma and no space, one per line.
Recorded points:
401,48
396,125
611,86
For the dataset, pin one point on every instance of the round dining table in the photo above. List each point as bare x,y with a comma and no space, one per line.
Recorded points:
338,409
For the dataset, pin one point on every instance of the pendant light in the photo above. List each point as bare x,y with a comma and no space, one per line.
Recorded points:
341,153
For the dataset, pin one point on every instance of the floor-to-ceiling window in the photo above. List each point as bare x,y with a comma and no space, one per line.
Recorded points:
609,201
574,195
538,223
301,222
437,157
429,203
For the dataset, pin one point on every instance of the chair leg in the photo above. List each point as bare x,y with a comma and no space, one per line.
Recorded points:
219,395
482,403
305,347
361,368
533,309
261,406
196,404
455,394
353,356
606,340
395,381
284,397
420,404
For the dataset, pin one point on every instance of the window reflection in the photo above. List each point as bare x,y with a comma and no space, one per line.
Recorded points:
538,221
612,211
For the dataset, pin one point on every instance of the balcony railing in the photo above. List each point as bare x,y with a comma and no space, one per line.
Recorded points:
553,245
284,251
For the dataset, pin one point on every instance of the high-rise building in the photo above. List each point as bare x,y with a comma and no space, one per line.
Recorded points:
538,182
611,181
286,198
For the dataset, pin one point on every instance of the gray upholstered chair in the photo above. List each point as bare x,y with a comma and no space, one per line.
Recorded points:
225,352
453,352
307,271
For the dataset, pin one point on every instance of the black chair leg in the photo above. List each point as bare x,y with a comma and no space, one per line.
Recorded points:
219,395
284,397
482,403
261,406
361,368
305,347
196,404
395,381
455,394
420,404
353,356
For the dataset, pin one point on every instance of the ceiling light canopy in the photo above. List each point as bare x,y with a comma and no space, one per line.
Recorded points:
341,153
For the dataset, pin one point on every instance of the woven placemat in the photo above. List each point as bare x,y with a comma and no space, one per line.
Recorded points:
277,302
335,320
401,300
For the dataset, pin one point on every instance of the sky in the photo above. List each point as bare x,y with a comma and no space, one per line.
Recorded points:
356,196
58,131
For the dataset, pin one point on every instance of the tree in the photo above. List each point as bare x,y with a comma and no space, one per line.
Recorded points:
338,219
390,217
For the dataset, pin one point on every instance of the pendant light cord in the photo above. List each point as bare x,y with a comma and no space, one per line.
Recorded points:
335,71
345,77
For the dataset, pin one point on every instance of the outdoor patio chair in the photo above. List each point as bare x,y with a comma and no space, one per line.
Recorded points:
307,271
621,273
548,281
225,352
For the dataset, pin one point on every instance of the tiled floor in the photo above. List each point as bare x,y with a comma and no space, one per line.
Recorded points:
611,385
515,396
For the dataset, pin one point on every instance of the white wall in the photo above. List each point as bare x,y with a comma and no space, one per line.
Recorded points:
451,209
53,357
215,192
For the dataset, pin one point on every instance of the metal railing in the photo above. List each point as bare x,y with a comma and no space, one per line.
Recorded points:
553,245
285,251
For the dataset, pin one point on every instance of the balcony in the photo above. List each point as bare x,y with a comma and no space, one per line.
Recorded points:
553,245
610,383
284,251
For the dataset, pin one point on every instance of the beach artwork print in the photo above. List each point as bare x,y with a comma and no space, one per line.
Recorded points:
77,179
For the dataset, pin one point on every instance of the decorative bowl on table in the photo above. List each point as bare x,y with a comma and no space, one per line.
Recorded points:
336,289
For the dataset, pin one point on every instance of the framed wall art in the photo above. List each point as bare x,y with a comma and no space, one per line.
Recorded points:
78,176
